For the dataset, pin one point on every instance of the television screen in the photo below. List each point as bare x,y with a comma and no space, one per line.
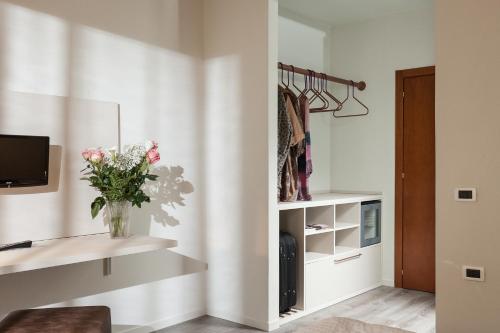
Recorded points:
24,160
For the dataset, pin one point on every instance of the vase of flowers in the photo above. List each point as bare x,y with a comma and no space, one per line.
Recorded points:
119,178
118,214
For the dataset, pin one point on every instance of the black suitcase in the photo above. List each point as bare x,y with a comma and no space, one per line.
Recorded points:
288,271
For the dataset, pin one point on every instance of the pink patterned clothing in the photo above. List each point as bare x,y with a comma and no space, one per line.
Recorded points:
304,160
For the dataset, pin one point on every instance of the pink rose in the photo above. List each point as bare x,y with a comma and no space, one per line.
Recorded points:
86,154
97,156
152,156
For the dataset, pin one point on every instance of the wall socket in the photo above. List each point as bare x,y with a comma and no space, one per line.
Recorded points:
465,194
473,273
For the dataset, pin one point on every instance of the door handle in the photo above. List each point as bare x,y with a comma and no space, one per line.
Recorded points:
338,261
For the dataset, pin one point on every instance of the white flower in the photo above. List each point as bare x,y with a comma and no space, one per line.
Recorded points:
148,145
132,157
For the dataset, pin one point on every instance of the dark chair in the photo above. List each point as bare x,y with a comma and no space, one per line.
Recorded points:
84,319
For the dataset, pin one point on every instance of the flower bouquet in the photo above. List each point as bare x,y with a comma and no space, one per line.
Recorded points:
119,178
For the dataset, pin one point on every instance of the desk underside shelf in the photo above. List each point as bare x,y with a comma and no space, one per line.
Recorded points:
72,250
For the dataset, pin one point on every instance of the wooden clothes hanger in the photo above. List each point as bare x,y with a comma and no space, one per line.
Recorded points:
293,82
327,93
317,93
286,86
367,110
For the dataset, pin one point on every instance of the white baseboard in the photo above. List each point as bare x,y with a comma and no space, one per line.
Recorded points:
273,325
244,320
240,319
388,283
160,324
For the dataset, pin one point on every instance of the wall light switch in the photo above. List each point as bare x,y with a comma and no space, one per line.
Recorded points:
473,273
465,194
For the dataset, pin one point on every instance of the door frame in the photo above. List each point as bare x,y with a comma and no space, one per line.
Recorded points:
398,214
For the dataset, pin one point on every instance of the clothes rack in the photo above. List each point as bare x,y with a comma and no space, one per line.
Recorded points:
361,85
317,83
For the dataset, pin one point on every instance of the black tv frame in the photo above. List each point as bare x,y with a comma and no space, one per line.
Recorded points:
13,183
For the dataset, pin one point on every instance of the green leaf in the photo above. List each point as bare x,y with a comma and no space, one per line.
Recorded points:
94,209
96,206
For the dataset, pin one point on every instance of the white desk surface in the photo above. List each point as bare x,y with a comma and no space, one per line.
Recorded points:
326,199
77,249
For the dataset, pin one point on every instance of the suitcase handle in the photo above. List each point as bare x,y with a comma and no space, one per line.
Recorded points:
338,261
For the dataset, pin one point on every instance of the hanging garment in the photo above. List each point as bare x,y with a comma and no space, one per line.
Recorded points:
296,107
297,128
284,135
304,161
290,174
289,180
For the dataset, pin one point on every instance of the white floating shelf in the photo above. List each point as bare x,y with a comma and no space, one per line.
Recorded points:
345,225
309,232
64,251
311,257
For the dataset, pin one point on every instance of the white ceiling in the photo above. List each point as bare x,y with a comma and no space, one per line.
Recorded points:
337,12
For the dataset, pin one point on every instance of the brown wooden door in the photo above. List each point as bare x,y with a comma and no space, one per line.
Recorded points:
416,171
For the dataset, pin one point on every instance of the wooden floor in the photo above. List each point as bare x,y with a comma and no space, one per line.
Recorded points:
407,309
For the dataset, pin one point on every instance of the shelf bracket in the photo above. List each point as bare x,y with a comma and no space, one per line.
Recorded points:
106,265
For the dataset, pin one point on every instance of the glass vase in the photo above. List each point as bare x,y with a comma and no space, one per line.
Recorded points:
118,218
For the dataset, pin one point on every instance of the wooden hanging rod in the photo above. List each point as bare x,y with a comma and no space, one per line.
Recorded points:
361,85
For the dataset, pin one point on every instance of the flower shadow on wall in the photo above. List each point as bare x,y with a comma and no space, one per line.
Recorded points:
167,192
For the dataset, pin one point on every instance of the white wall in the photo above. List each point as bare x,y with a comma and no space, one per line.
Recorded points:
237,173
147,56
184,75
362,148
273,213
467,155
305,44
55,210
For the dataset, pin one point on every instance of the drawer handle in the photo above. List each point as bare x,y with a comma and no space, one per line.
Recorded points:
338,261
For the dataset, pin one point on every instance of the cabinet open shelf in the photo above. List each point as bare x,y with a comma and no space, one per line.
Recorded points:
309,232
347,213
293,222
345,225
319,247
347,237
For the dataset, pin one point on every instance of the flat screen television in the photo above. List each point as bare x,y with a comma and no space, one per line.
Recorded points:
24,160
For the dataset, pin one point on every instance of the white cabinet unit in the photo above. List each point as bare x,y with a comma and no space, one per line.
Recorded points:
330,281
332,265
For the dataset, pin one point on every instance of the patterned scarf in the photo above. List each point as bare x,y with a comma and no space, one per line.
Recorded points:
305,160
284,135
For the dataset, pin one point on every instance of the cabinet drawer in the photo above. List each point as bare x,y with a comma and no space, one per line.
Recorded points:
371,266
328,281
319,288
